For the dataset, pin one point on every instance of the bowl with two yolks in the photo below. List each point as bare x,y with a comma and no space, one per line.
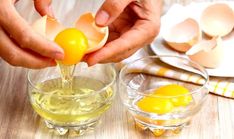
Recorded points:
160,97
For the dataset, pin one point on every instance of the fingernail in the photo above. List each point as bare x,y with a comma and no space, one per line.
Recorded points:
50,11
102,17
90,64
58,52
59,56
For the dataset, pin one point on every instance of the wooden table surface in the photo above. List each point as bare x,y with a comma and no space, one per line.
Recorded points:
18,121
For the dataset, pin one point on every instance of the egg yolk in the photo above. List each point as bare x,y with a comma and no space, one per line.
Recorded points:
154,103
175,90
74,43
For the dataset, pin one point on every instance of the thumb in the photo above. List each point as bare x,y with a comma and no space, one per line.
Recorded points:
110,10
44,7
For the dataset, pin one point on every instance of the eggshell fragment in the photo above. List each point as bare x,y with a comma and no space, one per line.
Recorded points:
183,36
97,36
217,20
208,53
47,26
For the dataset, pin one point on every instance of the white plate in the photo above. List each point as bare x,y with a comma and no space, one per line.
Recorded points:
178,13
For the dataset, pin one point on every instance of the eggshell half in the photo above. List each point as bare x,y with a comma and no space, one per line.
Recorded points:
208,53
97,36
217,20
48,27
183,36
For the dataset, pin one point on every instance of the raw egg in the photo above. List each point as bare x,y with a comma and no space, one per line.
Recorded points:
183,36
165,99
155,105
86,31
174,90
74,44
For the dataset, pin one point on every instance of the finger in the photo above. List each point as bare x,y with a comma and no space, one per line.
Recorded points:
110,10
14,1
18,57
141,35
112,36
148,9
23,34
44,7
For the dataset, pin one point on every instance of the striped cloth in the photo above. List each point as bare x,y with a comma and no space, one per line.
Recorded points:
217,85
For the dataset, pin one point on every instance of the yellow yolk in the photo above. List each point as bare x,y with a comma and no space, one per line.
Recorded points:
155,103
175,90
74,44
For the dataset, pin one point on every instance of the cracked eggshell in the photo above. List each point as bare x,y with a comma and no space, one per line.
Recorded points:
182,36
97,36
208,53
48,27
217,20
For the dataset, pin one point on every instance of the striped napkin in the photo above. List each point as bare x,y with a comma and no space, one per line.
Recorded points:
217,85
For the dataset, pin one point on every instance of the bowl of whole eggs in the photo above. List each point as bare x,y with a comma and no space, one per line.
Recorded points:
202,32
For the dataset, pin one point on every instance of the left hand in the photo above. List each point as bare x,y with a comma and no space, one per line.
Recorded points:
132,25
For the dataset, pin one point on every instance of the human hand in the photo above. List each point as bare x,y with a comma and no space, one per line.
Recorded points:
19,44
132,25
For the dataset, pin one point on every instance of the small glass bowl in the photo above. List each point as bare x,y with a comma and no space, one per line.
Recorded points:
139,79
79,110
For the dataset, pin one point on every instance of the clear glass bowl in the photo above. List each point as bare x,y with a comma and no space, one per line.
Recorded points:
139,79
93,90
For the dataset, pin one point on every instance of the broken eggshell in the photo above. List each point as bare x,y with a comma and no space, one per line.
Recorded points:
97,36
208,53
47,26
217,20
183,36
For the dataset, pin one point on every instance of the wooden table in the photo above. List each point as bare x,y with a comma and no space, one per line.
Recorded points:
18,121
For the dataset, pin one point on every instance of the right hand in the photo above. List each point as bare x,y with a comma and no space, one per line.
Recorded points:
19,44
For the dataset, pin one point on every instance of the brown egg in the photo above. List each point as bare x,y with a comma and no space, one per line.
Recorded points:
182,36
217,20
47,26
97,36
208,53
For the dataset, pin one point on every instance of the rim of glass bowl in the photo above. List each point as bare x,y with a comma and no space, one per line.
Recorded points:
98,91
206,76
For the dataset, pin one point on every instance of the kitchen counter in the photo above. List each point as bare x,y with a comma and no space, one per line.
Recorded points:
19,121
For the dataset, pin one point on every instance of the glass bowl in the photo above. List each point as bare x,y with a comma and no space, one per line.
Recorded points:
167,111
93,90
